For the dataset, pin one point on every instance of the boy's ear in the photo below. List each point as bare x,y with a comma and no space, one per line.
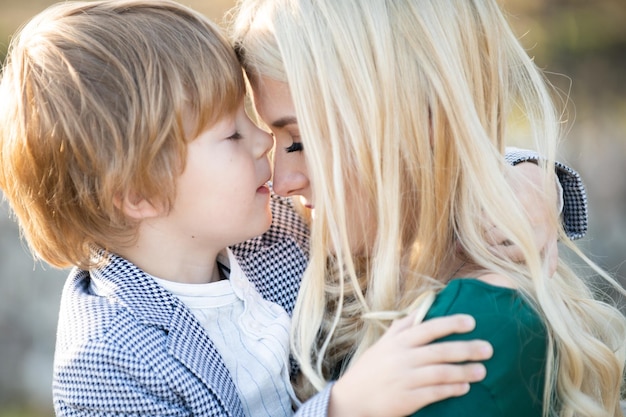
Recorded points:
135,206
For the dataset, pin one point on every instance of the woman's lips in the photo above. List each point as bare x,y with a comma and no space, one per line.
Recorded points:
305,203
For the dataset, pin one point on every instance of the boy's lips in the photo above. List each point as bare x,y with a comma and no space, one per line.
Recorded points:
265,187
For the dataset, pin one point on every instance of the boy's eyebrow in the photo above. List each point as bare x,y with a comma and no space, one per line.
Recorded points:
284,121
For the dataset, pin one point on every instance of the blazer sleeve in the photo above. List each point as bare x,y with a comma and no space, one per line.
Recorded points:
575,211
104,379
316,406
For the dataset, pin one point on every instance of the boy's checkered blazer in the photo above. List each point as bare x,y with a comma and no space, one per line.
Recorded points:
140,351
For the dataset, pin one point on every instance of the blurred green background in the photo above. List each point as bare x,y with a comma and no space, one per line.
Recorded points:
581,43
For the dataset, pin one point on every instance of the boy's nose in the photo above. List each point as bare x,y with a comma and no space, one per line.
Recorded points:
263,141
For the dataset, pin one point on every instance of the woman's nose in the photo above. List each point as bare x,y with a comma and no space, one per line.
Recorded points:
290,185
290,177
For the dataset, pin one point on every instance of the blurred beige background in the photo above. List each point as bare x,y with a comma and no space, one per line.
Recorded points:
583,39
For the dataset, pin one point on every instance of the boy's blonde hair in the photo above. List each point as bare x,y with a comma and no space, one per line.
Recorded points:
410,102
92,102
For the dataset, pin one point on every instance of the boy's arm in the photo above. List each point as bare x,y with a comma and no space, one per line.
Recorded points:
104,379
574,212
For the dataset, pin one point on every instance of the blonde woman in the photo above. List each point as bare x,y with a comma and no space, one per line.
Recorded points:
404,108
126,153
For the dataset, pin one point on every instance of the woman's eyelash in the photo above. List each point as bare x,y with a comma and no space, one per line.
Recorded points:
295,147
235,136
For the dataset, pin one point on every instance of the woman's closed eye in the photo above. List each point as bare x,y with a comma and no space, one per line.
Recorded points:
294,147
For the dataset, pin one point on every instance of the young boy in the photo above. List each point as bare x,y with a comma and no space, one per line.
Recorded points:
126,153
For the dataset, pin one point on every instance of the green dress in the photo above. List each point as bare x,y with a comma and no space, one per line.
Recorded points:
515,374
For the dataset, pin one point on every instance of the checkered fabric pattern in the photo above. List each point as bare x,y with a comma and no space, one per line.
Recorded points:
575,212
139,351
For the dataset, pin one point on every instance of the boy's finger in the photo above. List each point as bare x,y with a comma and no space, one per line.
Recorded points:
451,352
431,330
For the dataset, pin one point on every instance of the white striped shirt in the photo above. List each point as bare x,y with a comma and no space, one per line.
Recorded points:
250,333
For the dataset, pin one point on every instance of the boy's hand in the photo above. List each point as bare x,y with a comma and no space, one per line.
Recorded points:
403,372
526,180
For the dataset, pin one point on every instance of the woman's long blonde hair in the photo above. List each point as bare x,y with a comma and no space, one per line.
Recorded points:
409,102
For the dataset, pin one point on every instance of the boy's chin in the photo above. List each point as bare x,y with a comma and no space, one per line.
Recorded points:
260,227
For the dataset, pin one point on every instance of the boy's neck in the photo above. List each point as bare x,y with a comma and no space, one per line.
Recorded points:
172,262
